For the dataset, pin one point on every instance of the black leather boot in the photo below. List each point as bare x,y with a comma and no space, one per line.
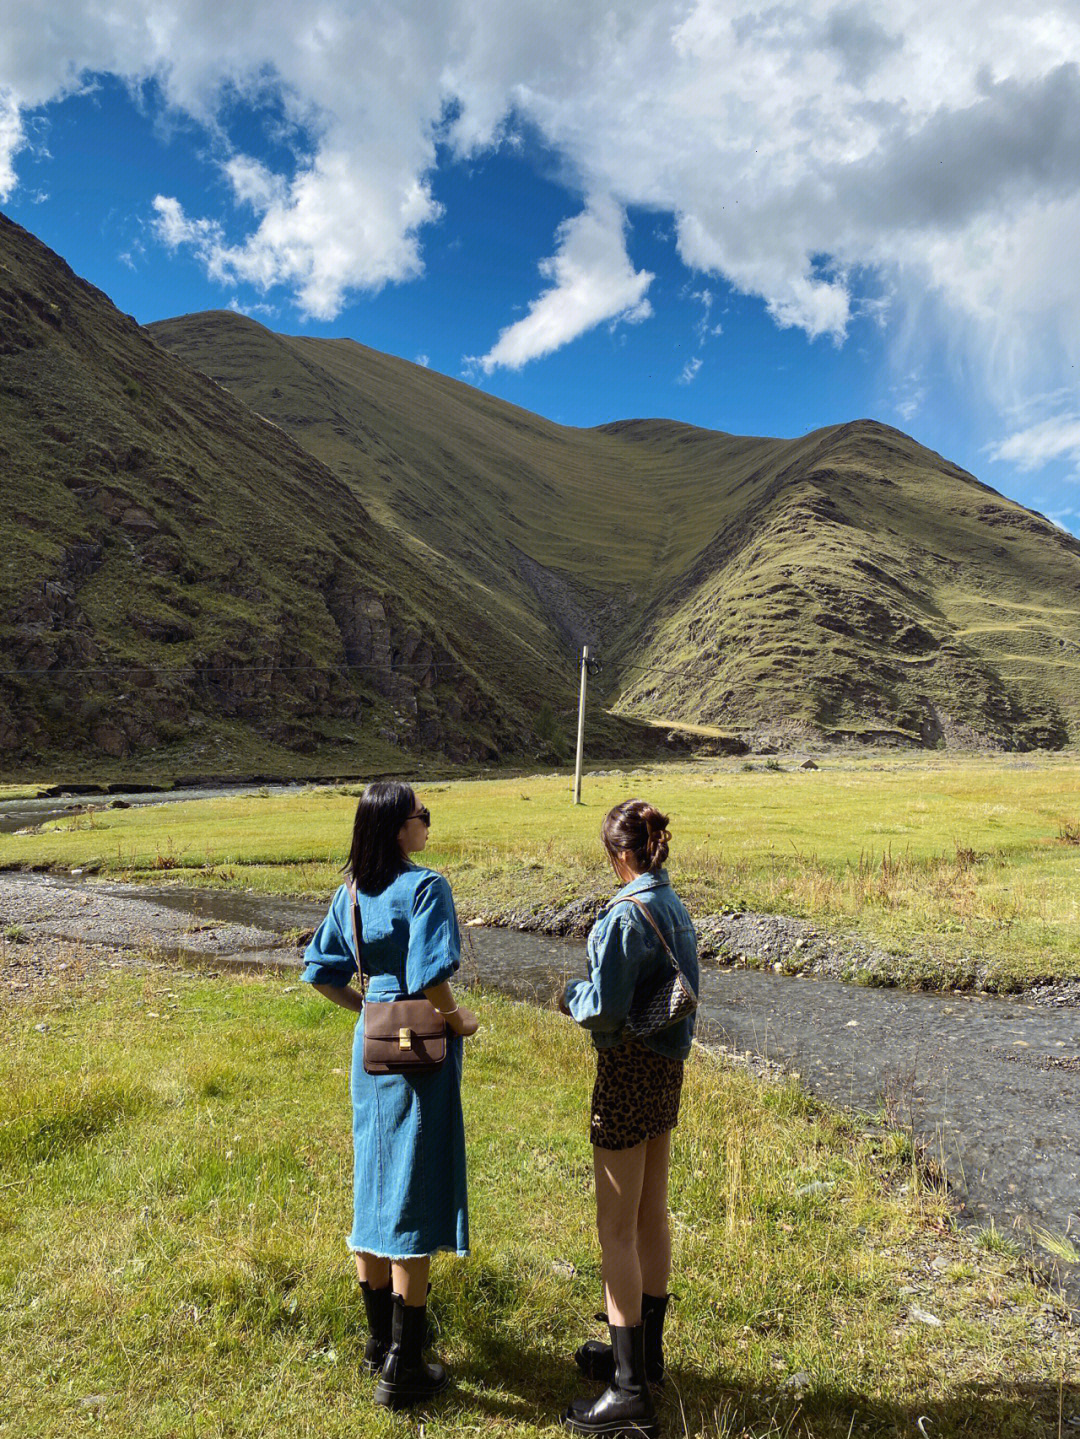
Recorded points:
625,1409
406,1379
596,1361
379,1307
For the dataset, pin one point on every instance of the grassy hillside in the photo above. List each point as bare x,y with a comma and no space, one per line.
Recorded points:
181,579
312,557
848,583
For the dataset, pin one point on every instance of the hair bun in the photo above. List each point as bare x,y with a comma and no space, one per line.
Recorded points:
638,827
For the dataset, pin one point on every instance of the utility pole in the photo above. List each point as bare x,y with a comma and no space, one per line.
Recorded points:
581,724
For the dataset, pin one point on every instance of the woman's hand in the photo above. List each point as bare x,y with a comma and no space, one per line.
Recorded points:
463,1021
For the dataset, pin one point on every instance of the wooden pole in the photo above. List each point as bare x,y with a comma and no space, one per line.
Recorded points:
581,724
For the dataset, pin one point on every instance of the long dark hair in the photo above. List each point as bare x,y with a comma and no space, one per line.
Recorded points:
375,857
637,826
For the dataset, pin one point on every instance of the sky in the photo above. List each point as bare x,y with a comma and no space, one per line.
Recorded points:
759,218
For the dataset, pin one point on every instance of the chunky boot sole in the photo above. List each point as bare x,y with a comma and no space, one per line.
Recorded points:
407,1396
614,1428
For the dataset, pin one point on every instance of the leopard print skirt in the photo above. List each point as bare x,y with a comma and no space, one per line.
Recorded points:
636,1095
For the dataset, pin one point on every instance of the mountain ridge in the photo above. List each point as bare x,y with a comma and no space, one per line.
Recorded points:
869,494
264,547
182,577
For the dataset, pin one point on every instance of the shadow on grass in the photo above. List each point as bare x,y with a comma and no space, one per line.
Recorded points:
692,1404
502,1381
501,1377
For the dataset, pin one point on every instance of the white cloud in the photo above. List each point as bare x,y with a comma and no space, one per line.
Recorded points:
690,371
704,329
593,281
253,184
815,155
908,396
1056,438
268,312
422,360
173,228
12,139
134,253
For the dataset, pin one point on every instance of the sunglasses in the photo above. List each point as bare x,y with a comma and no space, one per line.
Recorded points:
423,814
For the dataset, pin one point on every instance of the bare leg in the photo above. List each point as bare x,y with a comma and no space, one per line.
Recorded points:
410,1276
372,1270
411,1279
619,1174
653,1226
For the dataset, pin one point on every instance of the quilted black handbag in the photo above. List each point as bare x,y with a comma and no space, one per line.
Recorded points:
661,1002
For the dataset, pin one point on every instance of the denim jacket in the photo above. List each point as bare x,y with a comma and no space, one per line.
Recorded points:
623,951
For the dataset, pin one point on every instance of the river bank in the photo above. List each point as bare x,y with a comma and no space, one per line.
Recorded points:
989,1087
930,873
787,945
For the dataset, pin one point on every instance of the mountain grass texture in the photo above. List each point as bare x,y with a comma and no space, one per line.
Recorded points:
228,550
850,583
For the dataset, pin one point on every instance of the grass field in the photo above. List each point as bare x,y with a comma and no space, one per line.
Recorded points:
175,1178
950,862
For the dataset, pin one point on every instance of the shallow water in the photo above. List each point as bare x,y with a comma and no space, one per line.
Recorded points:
18,814
991,1085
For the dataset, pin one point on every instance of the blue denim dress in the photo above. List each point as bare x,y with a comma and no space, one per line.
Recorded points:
409,1186
623,951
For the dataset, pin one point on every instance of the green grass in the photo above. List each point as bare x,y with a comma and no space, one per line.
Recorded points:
969,868
175,1176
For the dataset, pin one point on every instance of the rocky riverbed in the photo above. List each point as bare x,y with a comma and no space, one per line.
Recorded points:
986,1085
780,943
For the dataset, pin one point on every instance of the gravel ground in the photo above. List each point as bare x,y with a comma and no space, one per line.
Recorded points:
33,907
775,941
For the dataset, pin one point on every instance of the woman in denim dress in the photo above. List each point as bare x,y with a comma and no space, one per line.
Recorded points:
409,1187
635,1107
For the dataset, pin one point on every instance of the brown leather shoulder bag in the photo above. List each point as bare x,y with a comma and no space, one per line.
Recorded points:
401,1036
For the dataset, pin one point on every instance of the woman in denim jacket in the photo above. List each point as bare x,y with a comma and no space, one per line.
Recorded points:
635,1107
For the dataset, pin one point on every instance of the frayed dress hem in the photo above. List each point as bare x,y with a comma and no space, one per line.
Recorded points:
400,1258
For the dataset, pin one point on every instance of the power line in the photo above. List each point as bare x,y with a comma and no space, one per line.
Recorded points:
134,667
181,672
659,670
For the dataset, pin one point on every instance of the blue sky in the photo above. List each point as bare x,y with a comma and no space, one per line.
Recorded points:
596,232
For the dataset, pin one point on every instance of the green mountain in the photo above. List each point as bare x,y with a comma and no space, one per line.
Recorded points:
850,583
181,580
227,550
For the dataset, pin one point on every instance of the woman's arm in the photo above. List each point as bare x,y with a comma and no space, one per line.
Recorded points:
343,994
602,1000
458,1018
461,1020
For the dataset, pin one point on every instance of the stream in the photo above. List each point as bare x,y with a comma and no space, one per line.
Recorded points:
16,814
990,1086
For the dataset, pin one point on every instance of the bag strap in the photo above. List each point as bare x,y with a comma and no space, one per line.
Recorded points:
629,899
357,930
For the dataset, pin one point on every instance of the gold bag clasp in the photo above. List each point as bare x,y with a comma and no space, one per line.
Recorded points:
404,1038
